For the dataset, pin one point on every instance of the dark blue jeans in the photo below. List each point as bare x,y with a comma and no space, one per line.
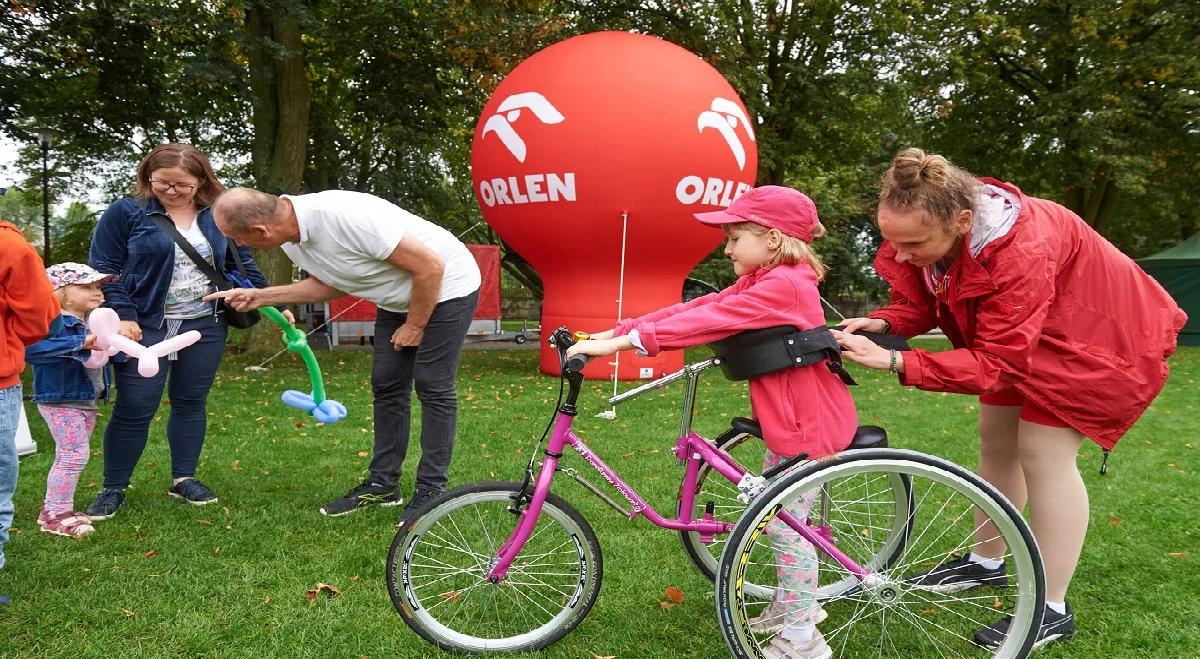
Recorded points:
431,369
187,382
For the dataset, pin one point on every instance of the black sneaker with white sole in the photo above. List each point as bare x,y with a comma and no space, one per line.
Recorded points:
416,505
1055,626
958,574
193,492
107,503
365,494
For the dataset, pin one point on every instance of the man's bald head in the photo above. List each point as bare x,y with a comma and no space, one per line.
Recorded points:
240,209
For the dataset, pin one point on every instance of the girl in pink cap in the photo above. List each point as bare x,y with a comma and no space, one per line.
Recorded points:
799,409
66,392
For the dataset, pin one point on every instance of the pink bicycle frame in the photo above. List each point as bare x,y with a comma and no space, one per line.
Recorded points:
691,447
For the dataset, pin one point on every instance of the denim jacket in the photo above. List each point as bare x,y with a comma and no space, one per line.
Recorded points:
57,360
129,243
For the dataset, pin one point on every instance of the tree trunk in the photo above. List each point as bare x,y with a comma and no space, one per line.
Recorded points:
280,107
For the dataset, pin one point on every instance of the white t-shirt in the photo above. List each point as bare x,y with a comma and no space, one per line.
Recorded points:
188,282
346,238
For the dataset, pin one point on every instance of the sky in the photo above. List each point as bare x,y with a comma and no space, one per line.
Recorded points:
8,155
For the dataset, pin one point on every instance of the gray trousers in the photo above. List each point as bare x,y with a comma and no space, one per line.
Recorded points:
429,368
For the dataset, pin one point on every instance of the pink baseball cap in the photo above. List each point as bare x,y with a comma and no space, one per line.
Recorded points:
772,206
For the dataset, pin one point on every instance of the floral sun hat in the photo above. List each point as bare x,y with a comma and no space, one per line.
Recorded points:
63,274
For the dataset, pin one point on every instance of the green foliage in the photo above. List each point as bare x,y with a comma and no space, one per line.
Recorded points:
1089,103
1093,104
24,209
70,235
73,234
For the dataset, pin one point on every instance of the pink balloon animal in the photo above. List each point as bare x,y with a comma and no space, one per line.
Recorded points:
105,324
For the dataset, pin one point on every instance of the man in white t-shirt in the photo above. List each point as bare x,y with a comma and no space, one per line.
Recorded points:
424,282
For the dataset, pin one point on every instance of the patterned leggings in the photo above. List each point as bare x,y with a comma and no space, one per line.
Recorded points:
71,429
795,560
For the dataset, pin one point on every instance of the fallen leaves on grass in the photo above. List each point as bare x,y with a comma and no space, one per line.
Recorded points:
151,554
128,613
1177,554
674,597
312,593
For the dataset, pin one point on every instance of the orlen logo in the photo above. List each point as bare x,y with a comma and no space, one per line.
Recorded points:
723,116
530,188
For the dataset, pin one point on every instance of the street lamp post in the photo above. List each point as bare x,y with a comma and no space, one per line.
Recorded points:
45,138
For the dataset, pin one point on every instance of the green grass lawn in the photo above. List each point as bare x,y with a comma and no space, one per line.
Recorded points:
230,579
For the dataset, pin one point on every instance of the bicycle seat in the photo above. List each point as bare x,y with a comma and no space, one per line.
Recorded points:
864,437
749,426
868,437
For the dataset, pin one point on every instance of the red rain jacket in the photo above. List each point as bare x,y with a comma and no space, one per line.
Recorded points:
1051,308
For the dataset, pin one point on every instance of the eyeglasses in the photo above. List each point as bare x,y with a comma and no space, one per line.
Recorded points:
163,186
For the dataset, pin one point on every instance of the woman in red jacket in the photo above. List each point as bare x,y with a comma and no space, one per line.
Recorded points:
1059,334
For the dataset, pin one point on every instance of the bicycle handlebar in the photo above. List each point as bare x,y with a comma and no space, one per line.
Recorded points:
561,339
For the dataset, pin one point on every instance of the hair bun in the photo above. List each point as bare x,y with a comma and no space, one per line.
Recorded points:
912,167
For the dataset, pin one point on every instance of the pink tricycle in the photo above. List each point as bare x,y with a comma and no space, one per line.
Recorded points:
512,567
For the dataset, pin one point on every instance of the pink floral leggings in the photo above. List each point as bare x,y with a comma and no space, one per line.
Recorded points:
72,430
795,559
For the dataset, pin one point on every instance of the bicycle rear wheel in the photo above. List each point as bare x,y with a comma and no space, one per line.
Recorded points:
438,564
880,504
885,613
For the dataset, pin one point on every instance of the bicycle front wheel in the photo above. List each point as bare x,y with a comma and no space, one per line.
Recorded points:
887,612
437,572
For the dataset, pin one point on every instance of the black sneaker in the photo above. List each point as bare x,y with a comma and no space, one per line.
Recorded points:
416,505
105,505
959,574
193,492
1055,626
366,494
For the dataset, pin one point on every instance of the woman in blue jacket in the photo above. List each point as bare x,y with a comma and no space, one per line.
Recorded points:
157,296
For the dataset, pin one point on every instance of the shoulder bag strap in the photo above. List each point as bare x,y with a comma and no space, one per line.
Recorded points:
221,282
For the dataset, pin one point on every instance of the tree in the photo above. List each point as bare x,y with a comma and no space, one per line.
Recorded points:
71,234
819,78
1091,103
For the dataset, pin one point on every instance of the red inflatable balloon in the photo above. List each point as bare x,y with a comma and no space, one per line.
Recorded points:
604,140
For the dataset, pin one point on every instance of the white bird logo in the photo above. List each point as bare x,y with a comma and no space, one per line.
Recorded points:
724,116
510,110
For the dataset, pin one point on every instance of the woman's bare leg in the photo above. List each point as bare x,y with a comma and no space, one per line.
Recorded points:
1058,500
1000,465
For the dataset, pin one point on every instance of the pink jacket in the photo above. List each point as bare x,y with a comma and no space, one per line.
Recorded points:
800,409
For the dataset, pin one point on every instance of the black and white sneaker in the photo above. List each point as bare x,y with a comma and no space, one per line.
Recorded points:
416,505
193,492
366,494
107,503
959,574
1055,626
